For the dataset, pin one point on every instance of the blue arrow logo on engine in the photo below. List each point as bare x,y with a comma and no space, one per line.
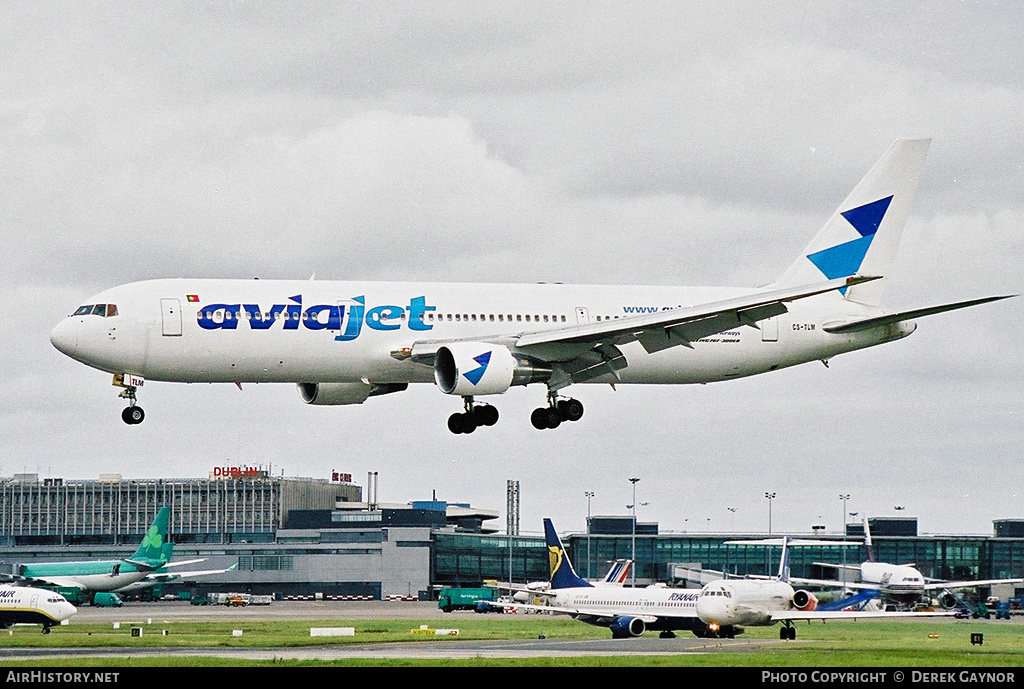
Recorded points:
476,374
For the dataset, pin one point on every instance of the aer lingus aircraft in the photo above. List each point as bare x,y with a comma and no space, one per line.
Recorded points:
720,609
343,342
150,559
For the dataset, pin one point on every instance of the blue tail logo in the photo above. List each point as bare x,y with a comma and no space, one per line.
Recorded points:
563,576
476,374
844,259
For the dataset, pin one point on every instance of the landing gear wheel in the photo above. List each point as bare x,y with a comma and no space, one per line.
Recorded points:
788,633
462,423
539,418
554,418
133,415
485,415
667,635
571,410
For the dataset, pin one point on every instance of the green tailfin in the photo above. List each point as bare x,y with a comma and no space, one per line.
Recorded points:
154,548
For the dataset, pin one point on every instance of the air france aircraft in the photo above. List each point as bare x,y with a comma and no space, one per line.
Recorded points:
899,585
344,342
90,576
720,609
28,605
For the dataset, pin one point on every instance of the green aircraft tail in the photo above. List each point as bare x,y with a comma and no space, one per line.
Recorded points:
155,549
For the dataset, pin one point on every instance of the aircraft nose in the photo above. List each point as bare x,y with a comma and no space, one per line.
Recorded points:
65,337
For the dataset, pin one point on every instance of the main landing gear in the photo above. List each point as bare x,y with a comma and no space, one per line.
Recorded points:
476,415
787,631
556,412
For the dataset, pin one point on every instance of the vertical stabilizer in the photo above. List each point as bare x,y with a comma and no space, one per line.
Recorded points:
784,560
563,576
154,548
863,234
867,541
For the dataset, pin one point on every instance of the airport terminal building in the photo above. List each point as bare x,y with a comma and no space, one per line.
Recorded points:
305,537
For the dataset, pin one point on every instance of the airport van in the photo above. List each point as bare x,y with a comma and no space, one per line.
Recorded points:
105,599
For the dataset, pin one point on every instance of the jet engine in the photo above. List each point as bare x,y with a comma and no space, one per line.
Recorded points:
625,627
804,600
480,368
345,393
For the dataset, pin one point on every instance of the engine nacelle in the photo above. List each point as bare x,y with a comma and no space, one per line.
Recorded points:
480,368
345,393
624,627
804,600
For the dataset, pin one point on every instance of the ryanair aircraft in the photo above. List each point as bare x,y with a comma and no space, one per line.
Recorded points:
28,605
721,609
344,342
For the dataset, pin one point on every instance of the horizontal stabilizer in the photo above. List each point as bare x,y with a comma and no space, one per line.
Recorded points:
868,323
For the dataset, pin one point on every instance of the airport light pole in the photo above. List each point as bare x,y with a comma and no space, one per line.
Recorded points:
844,497
770,496
590,495
632,570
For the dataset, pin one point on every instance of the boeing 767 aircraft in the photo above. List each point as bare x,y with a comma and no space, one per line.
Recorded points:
343,342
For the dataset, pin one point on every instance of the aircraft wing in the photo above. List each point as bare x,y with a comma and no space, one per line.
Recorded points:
590,350
185,562
825,615
589,614
938,585
159,577
834,583
18,580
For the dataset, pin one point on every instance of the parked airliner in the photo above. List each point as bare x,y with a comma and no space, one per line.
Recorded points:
149,562
720,609
343,342
900,585
28,605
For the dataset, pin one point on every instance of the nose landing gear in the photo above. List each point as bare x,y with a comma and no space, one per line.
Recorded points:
132,414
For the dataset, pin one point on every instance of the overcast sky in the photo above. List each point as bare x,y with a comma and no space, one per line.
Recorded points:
629,143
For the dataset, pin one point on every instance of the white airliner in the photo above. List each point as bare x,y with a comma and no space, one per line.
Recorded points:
900,585
720,609
343,342
29,605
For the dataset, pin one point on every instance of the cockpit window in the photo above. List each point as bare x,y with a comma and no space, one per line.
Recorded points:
106,310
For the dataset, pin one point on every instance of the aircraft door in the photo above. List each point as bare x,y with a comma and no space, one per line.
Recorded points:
170,312
33,602
582,315
769,330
